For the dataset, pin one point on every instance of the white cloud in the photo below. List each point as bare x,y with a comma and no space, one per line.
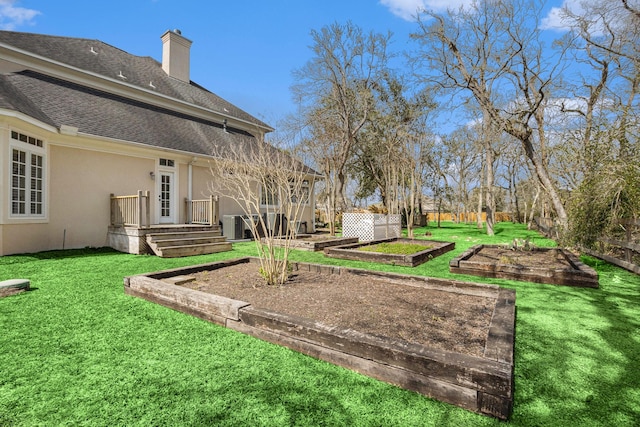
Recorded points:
596,12
557,18
408,9
12,16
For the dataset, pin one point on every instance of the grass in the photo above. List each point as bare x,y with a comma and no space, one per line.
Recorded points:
395,248
77,351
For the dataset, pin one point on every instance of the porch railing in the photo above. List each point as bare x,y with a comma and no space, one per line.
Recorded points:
204,211
131,211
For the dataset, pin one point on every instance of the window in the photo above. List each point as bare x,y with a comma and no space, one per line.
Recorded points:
167,162
27,176
297,193
302,193
269,196
25,138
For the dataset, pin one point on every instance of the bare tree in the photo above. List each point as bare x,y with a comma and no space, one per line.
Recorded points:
493,52
605,37
334,90
395,146
272,188
513,173
319,144
463,168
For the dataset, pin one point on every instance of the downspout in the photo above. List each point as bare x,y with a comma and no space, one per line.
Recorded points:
312,204
190,190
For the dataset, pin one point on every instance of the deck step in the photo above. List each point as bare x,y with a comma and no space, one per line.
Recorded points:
187,243
190,250
182,234
186,240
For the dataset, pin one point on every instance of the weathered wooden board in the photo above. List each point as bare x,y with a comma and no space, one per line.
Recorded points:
446,392
211,307
615,261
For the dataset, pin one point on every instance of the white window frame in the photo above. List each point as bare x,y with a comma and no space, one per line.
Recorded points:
35,176
305,189
274,201
266,201
166,163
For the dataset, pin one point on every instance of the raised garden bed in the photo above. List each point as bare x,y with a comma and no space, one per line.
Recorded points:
358,252
315,242
554,266
325,317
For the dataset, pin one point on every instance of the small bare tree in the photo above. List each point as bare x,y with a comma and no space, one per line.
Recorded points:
272,187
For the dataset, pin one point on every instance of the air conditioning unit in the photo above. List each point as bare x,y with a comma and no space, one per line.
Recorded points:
233,227
301,227
275,223
248,229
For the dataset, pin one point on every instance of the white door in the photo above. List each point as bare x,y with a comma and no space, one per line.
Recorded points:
166,197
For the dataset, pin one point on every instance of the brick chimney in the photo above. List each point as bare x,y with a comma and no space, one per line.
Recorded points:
175,55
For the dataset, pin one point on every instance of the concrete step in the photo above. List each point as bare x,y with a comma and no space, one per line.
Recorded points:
195,249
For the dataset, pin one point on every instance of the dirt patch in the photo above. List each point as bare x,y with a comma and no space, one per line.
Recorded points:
552,258
316,237
381,306
314,242
555,266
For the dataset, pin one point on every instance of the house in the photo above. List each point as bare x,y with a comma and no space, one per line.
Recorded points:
99,147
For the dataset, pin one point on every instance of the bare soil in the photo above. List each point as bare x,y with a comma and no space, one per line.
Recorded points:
551,258
317,238
377,306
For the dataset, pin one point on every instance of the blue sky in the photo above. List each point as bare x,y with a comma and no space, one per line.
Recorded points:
243,50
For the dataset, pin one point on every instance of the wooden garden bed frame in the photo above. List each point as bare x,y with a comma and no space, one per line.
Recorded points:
304,242
353,252
480,384
578,274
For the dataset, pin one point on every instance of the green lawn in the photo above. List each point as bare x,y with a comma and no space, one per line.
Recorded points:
395,248
77,351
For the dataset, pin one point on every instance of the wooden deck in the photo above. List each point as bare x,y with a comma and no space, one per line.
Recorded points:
185,239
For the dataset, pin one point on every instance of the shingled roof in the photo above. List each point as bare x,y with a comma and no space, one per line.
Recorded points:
59,102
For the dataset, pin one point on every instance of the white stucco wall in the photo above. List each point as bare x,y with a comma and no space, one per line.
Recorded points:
81,173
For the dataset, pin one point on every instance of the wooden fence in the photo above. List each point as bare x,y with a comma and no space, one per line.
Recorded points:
622,249
546,226
467,216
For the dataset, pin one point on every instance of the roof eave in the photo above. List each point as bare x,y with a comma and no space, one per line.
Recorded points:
25,60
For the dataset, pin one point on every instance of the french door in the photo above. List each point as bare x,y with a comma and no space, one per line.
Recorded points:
166,197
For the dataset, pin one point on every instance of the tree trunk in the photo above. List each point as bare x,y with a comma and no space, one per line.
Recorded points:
514,198
341,198
533,208
547,185
480,194
490,202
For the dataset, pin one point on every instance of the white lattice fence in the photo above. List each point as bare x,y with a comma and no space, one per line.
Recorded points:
369,226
